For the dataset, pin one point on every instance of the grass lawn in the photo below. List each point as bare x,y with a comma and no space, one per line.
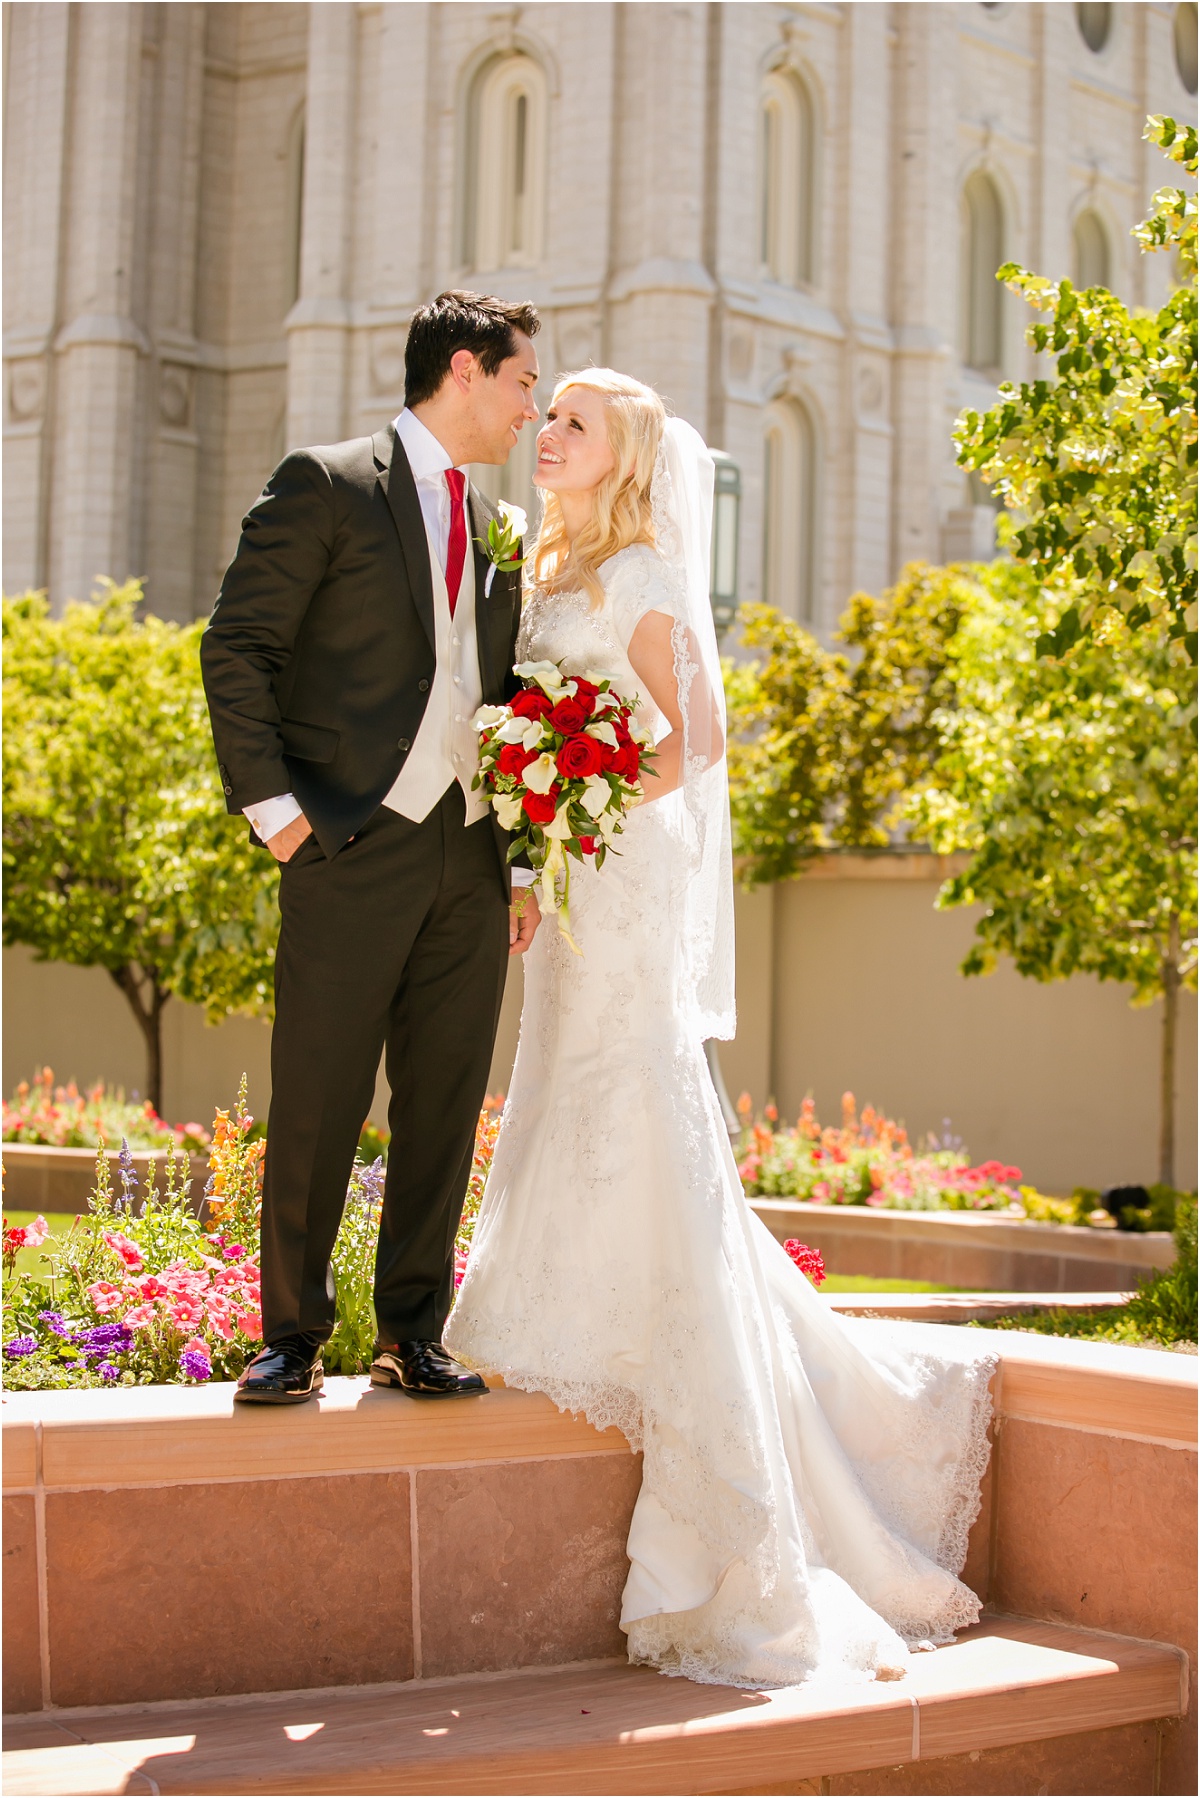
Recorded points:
29,1261
867,1283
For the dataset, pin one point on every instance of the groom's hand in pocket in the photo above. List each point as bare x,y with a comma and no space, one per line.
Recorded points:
284,844
524,916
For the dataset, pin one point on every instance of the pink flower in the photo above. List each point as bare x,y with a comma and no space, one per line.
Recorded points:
807,1260
105,1296
820,1193
152,1288
221,1323
250,1324
197,1346
128,1251
140,1318
186,1313
36,1232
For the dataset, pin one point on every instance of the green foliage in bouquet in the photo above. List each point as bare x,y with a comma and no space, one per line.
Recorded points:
117,850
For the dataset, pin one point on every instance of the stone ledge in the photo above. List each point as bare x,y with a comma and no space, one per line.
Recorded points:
609,1729
161,1435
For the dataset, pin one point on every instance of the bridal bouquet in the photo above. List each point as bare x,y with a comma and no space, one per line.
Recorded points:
560,767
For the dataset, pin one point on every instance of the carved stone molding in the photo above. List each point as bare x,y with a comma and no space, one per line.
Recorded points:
26,388
175,390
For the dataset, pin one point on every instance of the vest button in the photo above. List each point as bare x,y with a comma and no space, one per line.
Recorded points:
403,743
422,686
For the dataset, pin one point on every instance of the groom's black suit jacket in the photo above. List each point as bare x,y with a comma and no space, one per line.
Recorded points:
319,657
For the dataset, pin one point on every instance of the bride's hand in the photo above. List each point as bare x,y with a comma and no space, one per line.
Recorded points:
524,916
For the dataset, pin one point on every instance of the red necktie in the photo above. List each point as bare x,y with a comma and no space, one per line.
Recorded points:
456,551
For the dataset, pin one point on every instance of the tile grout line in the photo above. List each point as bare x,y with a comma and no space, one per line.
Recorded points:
414,1551
41,1563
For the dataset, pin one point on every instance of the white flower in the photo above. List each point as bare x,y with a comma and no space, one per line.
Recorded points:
603,733
596,796
546,674
508,809
525,731
559,829
514,516
487,715
541,775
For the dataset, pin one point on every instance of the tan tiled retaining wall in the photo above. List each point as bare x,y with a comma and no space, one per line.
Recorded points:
160,1544
976,1250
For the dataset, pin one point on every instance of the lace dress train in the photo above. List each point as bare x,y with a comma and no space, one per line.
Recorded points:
808,1483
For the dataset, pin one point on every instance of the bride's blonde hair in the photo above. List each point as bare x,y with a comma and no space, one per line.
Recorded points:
635,417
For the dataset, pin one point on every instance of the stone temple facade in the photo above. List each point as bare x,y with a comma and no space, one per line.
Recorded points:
218,219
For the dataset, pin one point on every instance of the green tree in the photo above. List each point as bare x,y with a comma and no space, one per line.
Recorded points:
1071,784
1098,466
117,850
824,744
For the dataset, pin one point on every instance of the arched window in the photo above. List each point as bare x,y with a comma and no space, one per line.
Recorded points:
295,207
1095,22
1185,44
505,156
980,295
787,180
790,510
1090,243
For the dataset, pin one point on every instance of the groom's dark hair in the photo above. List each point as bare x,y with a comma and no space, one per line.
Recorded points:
461,321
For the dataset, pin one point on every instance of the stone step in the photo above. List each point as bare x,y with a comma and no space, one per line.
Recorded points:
611,1728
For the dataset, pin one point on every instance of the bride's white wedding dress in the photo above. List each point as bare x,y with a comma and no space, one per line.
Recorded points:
808,1483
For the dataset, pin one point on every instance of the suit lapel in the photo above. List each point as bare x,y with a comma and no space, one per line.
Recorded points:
493,615
395,477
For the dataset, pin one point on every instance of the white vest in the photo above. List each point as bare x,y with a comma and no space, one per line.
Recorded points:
446,747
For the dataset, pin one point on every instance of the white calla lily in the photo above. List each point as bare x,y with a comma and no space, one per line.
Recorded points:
603,733
546,674
508,809
487,715
541,775
559,827
513,515
596,796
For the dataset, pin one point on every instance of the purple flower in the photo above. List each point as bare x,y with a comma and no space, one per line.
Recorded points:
108,1371
21,1346
128,1174
195,1365
106,1339
372,1179
55,1321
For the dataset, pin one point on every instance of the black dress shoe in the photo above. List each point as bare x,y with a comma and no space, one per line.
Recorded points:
286,1372
423,1370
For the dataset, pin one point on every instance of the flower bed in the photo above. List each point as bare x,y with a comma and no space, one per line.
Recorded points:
61,1117
870,1161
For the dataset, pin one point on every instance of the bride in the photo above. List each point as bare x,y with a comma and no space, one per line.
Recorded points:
808,1483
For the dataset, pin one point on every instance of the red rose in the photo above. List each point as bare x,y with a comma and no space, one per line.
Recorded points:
627,762
569,716
541,807
585,689
532,703
514,760
579,757
588,845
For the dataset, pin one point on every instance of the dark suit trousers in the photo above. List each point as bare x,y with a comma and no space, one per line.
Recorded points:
398,944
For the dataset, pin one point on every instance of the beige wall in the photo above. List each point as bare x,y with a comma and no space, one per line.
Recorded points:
847,980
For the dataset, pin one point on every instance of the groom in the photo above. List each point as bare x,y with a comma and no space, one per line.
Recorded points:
357,630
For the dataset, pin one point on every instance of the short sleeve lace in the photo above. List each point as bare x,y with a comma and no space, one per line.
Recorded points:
637,581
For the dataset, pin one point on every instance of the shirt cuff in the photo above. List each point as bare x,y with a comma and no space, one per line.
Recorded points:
270,816
523,877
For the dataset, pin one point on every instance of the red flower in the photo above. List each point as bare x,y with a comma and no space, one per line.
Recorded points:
541,807
532,703
514,760
585,689
569,716
579,757
588,845
807,1260
627,762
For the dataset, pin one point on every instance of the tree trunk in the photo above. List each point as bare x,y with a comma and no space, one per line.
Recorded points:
1170,986
146,1000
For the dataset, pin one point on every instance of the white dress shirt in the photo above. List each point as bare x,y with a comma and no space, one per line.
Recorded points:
445,748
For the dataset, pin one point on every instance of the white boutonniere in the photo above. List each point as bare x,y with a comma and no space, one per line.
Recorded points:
503,542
